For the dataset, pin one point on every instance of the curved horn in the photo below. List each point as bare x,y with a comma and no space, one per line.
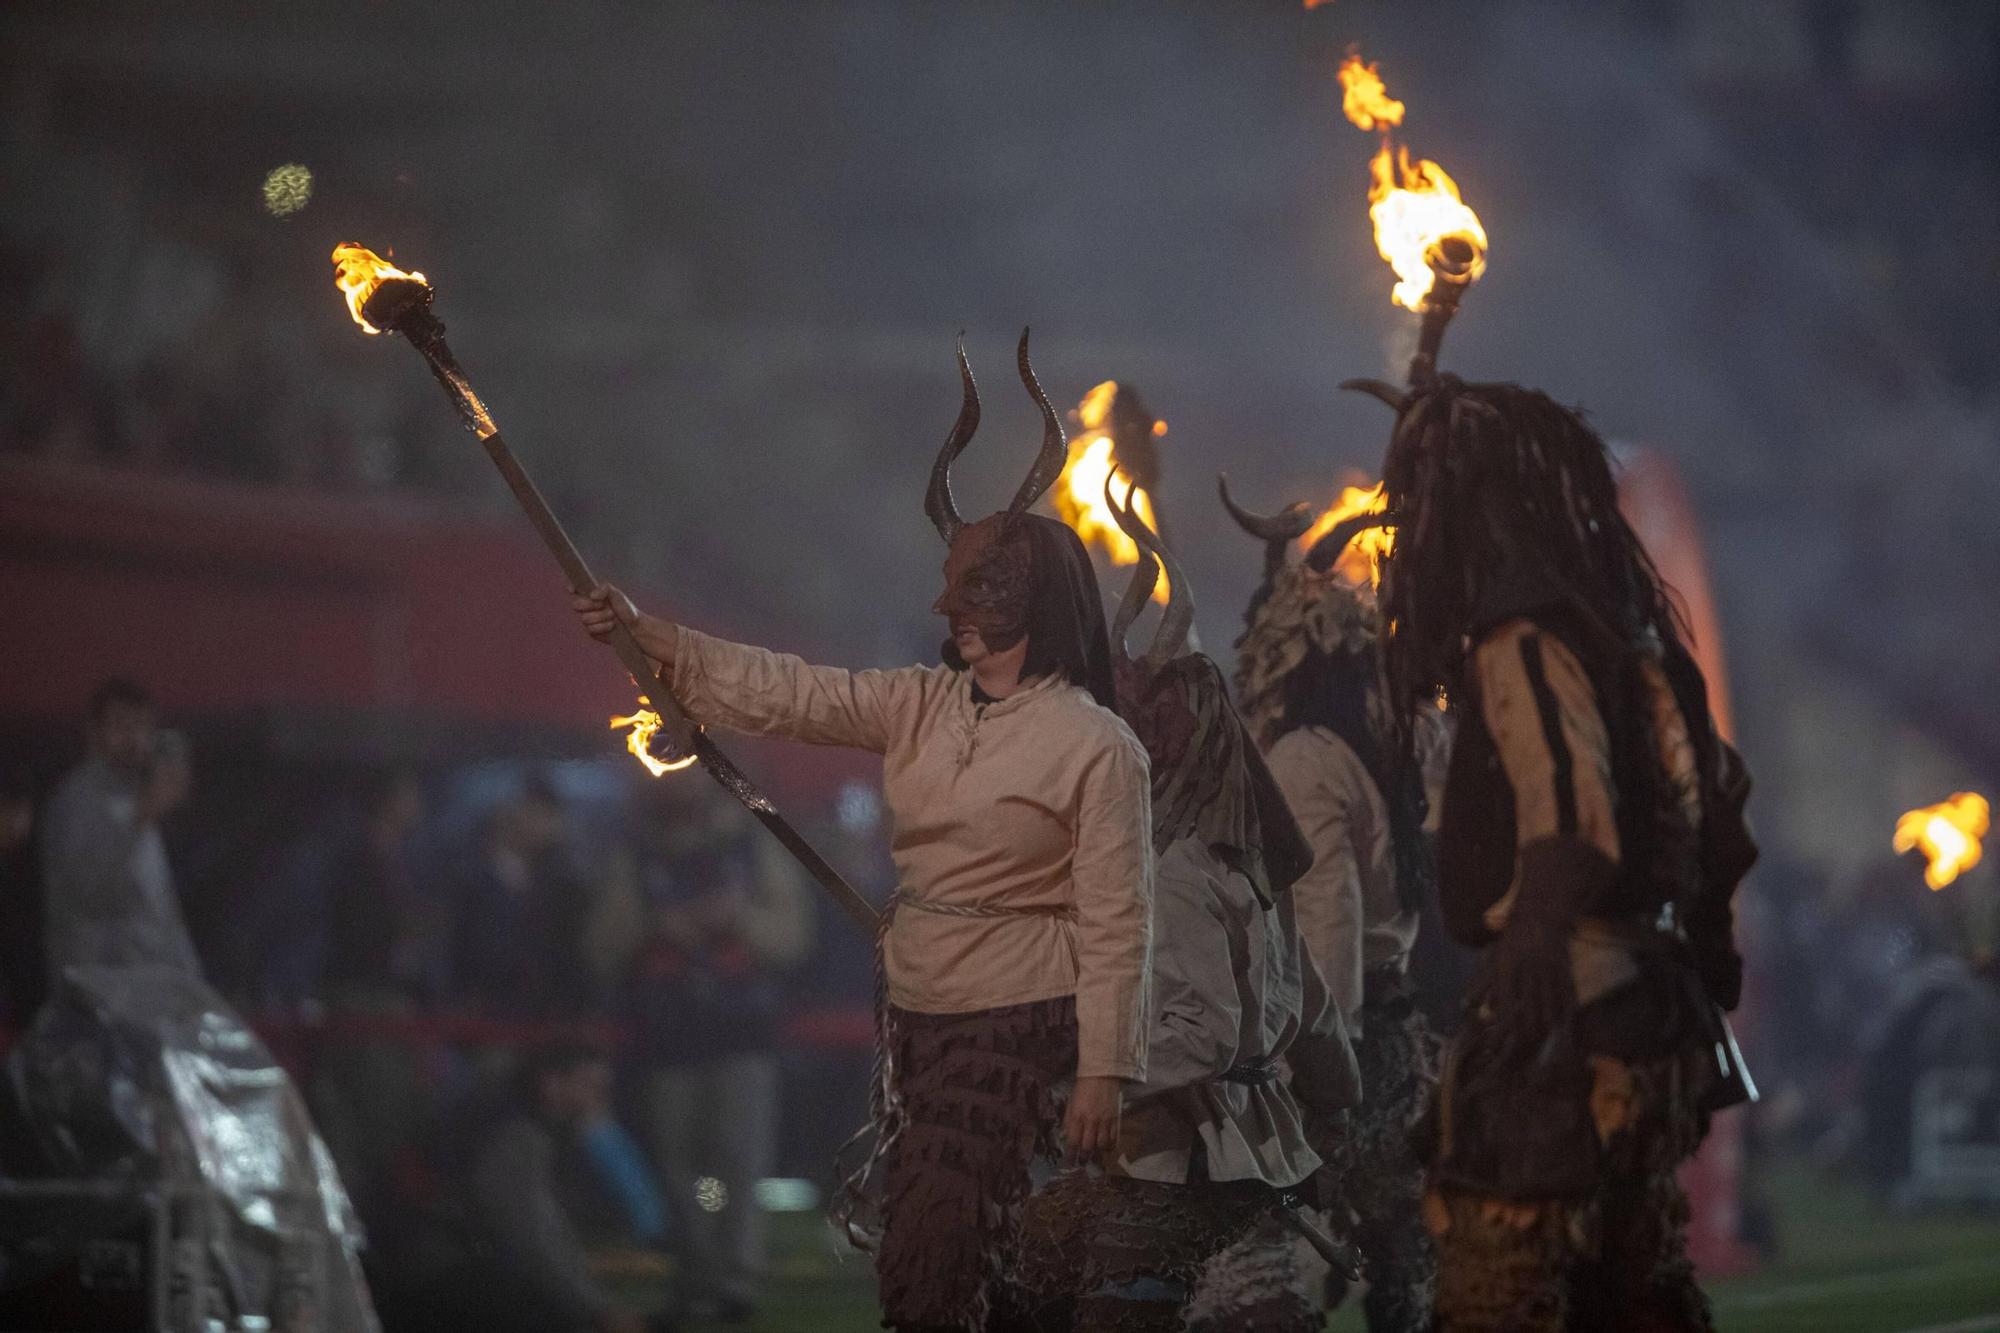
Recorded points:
1277,531
1170,639
1388,393
1054,457
1287,525
938,504
1327,549
1144,577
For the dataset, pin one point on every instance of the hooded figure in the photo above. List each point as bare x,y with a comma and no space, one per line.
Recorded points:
1014,958
1309,680
1214,1140
1591,842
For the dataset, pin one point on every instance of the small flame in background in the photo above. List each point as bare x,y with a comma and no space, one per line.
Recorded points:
1413,206
1948,834
1079,496
644,725
1363,97
358,271
1361,562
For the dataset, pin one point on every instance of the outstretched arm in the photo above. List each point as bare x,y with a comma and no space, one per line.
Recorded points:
763,693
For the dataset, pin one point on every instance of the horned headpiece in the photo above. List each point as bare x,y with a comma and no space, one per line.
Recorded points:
1170,638
1049,462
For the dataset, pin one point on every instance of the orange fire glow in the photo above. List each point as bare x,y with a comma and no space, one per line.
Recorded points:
1363,96
1079,496
1948,834
1414,206
639,740
1361,562
358,271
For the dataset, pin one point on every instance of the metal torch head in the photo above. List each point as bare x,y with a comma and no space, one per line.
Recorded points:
379,295
1456,260
394,301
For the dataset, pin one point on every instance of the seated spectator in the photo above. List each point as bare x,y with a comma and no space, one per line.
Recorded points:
514,1259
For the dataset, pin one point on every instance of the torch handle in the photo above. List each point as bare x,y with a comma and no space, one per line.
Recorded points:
679,729
426,334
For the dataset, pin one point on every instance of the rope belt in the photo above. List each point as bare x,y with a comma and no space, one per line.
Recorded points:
904,898
1263,1069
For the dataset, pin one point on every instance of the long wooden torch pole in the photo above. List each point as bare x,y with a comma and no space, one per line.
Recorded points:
426,333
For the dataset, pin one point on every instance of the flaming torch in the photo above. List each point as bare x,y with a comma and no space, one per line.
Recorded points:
1423,229
383,298
1118,438
1948,835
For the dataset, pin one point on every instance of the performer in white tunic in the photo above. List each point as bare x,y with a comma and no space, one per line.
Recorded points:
1308,677
1016,953
1215,1139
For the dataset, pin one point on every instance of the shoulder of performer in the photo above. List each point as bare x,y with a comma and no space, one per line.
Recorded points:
1305,756
1506,639
1093,726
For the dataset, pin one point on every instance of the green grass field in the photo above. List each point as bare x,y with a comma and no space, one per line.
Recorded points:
1848,1267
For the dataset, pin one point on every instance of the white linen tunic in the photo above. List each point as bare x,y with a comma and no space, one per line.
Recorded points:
1348,908
1036,804
1232,987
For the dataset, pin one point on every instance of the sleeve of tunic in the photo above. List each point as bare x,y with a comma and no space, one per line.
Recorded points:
764,693
1198,1016
1328,896
1112,871
1541,711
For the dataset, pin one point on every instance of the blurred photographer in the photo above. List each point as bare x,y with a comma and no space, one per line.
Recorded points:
110,892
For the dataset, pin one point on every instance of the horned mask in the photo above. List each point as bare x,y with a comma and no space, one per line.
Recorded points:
989,566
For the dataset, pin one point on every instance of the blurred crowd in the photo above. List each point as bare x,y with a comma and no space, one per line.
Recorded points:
517,1003
218,398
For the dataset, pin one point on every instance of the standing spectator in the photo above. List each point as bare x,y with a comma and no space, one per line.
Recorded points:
377,928
136,1068
110,892
365,1089
725,915
22,978
521,911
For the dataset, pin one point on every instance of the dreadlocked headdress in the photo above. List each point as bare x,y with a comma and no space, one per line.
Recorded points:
1505,508
1504,504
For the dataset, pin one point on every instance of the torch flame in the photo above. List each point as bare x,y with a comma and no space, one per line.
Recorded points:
645,723
1948,834
1361,561
1363,96
1079,497
1415,208
358,271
